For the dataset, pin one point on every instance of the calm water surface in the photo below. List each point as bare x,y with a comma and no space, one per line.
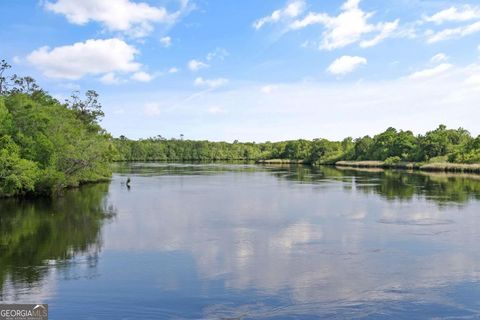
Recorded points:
228,241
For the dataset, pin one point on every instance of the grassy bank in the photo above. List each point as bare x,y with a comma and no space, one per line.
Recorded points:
433,167
452,167
378,164
281,161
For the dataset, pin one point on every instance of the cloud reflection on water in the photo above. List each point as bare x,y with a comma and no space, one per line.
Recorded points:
330,246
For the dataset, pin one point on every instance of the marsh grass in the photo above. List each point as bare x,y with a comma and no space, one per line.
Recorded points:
452,167
282,161
437,166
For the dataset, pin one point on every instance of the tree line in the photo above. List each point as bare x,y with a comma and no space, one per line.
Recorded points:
392,145
47,145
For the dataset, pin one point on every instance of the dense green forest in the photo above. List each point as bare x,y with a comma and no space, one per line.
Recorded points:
46,145
439,145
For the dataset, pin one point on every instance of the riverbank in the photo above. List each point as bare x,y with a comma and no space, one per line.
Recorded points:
281,161
432,167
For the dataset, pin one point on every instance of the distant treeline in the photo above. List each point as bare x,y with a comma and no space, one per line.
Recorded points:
46,145
391,146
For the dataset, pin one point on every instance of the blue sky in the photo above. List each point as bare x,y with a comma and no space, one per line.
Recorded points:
255,70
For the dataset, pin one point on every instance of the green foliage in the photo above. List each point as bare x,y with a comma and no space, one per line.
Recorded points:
46,146
88,110
441,142
392,160
5,118
391,146
362,148
326,152
392,143
297,150
469,153
17,175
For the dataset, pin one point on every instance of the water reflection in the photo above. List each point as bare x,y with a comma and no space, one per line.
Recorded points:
240,240
443,188
309,241
37,236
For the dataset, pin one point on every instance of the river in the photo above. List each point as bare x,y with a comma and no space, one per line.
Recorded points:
242,241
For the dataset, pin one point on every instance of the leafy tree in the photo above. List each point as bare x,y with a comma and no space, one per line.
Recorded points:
325,151
441,142
468,153
383,143
45,145
4,66
297,149
362,148
17,175
89,110
26,85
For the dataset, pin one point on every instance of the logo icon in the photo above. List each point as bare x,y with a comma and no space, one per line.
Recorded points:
23,311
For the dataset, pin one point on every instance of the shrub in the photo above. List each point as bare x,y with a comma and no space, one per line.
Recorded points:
392,160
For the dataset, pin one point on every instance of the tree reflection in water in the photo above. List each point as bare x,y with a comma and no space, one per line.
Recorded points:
36,235
442,188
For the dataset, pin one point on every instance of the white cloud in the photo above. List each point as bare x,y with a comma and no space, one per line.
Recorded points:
134,18
386,29
310,19
166,41
218,53
110,78
216,110
452,33
210,83
473,80
92,57
454,14
152,109
431,72
270,88
346,64
173,70
439,57
292,10
349,27
195,65
142,76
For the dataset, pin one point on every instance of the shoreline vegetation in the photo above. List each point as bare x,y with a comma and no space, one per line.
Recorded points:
442,149
280,161
429,167
47,146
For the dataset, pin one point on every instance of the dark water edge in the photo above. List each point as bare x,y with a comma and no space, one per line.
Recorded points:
223,240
